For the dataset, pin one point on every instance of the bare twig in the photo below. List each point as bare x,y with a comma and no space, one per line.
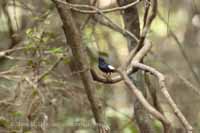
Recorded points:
110,24
88,18
35,87
50,69
95,10
181,77
9,51
189,63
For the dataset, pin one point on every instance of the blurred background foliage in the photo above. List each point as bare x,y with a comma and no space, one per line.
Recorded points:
58,99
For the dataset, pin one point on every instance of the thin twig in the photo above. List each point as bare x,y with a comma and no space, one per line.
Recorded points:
50,69
189,63
185,81
95,10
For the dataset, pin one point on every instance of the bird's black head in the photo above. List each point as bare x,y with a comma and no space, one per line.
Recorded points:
101,60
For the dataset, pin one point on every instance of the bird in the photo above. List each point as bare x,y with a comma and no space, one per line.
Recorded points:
105,67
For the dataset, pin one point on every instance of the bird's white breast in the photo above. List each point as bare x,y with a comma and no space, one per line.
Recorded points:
111,67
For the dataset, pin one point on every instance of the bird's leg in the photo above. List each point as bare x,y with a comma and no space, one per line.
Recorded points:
105,75
109,75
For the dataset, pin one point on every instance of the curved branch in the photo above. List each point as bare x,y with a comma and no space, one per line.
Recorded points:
145,30
170,101
142,99
141,54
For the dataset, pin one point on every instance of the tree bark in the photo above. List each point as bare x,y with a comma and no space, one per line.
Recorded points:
73,36
131,22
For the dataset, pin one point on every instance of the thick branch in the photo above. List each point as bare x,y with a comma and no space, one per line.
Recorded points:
145,30
161,79
142,99
10,27
74,40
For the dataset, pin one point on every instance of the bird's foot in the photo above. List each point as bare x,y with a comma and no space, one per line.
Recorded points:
108,76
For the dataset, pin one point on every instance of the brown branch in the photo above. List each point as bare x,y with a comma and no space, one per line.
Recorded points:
110,24
153,92
109,21
145,30
154,96
161,79
7,52
12,35
181,77
143,101
138,58
88,18
35,87
147,6
129,71
74,41
134,59
125,32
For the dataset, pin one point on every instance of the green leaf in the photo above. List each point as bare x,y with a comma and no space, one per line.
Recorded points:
56,50
30,46
3,122
27,132
66,60
17,114
158,126
29,31
103,54
34,93
30,63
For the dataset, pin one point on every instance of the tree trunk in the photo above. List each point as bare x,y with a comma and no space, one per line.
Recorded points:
73,36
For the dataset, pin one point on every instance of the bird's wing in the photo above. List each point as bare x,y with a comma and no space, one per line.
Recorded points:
111,67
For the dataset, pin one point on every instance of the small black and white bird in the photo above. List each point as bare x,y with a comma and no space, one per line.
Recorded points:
104,67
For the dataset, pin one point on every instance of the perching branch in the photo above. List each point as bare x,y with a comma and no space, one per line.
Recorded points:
129,71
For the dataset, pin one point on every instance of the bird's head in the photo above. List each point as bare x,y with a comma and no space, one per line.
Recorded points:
101,60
